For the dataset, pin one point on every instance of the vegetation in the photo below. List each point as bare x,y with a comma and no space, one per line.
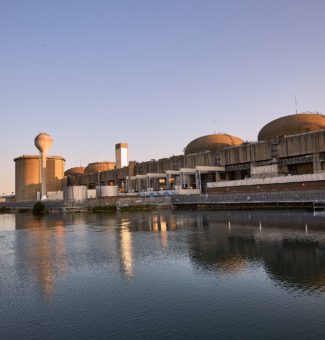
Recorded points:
5,210
39,208
139,207
104,209
113,208
24,210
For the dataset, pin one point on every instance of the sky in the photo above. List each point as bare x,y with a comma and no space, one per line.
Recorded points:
153,74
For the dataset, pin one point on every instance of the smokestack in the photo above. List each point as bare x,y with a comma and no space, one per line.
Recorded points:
121,155
43,142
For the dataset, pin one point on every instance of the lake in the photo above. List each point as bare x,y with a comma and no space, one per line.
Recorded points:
162,275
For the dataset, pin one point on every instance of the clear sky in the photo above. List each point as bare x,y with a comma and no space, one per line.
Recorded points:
154,74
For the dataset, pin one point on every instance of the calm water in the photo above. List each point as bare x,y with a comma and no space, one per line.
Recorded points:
163,275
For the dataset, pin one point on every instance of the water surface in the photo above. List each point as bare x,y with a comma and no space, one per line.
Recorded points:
161,275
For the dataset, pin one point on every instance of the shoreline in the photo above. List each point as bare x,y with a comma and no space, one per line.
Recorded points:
208,205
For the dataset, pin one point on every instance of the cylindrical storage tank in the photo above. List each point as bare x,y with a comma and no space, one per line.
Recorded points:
106,190
91,193
75,193
27,175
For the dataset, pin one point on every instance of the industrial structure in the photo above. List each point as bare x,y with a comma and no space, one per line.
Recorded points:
43,142
287,148
28,176
121,155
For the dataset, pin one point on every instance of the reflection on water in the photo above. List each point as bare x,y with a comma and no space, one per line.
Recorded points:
59,252
126,249
161,224
7,222
221,242
42,252
290,255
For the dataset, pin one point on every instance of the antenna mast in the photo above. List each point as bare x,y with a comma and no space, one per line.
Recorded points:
296,104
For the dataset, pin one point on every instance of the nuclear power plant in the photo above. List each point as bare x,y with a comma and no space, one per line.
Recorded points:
289,154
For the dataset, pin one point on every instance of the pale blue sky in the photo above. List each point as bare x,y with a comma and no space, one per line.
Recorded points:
155,74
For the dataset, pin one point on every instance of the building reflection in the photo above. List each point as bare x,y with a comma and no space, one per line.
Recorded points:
217,242
40,252
297,263
159,224
7,222
162,224
126,249
290,257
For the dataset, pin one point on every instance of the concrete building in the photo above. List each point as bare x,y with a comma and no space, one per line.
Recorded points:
92,168
121,155
212,143
28,176
287,148
78,170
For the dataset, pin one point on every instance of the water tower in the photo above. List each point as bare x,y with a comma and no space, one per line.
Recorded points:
43,142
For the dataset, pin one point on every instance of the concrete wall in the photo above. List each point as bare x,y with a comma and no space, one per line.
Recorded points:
27,176
303,144
106,190
264,170
259,159
75,194
55,195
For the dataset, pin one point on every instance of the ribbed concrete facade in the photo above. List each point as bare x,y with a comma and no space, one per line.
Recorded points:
291,155
289,146
27,175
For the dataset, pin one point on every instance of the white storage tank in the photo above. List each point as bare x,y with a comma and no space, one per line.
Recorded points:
91,193
106,190
55,195
75,193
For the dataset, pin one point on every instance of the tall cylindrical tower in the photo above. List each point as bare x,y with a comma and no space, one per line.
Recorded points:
43,142
28,175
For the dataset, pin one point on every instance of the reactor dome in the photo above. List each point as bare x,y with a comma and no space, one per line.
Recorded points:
99,166
212,143
292,125
78,170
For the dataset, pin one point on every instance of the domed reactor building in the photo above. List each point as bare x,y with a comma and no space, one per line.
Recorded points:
289,155
212,143
292,125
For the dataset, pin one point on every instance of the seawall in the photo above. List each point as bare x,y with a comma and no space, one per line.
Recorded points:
305,199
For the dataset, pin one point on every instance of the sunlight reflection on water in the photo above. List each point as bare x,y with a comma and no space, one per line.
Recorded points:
162,274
